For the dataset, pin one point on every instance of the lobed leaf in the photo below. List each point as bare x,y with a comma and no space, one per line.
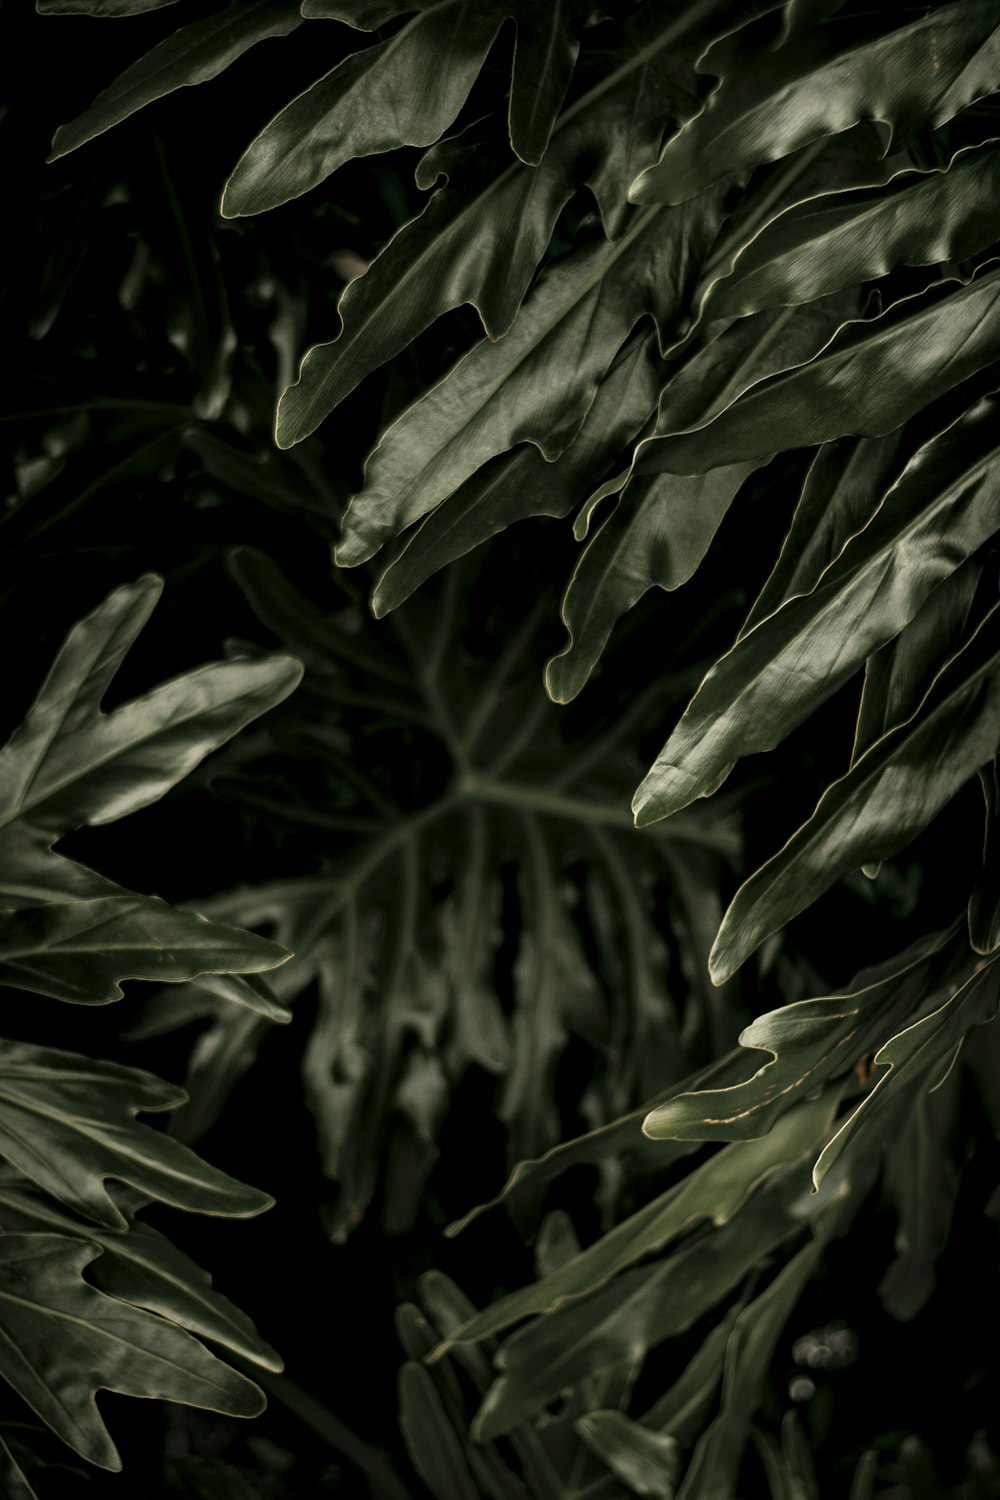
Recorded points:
936,515
916,1059
887,797
141,1266
500,394
63,1341
839,239
871,377
809,1041
68,1123
908,78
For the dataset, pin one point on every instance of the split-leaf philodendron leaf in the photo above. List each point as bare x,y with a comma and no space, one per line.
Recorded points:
68,1130
732,273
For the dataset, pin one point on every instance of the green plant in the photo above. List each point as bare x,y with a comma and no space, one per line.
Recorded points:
135,1322
736,268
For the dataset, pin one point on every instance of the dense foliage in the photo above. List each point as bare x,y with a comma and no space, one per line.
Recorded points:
720,282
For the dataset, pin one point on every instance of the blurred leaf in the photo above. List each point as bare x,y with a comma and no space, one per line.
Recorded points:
749,1350
646,1461
106,8
643,1306
15,1482
984,903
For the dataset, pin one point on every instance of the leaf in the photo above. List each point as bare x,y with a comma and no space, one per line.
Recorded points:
544,57
12,1476
716,1190
194,54
105,8
430,1437
481,237
363,15
916,1059
844,487
67,1122
648,1462
555,994
909,78
655,537
80,951
640,1308
715,1463
922,1183
404,91
515,391
523,484
887,797
809,1041
936,514
871,377
837,239
141,1266
64,930
618,1137
984,903
899,673
63,1341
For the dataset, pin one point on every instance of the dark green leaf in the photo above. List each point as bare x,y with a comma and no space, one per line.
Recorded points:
809,1042
715,1463
984,903
12,1476
522,483
938,513
642,1307
655,537
777,100
873,376
64,930
193,55
837,239
405,91
104,8
716,1190
63,1341
69,1124
515,391
480,240
648,1462
430,1437
141,1266
921,1181
887,797
917,1059
544,56
899,674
